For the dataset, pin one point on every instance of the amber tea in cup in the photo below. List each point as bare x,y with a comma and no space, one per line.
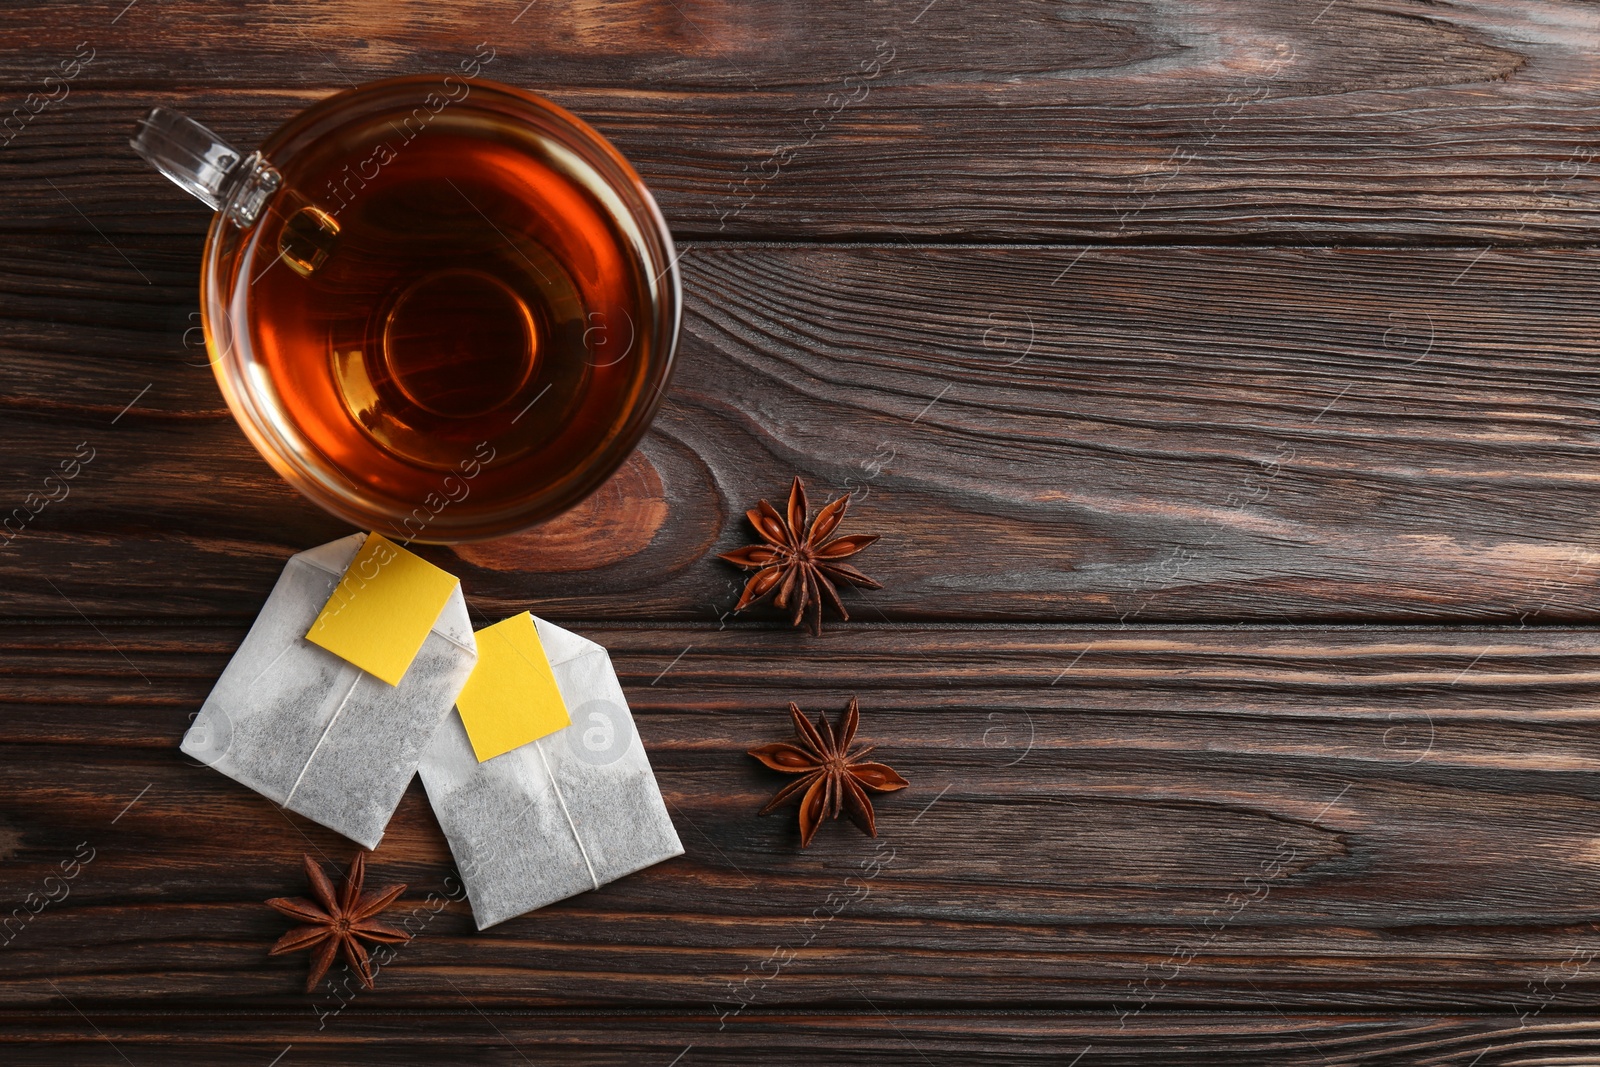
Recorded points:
443,308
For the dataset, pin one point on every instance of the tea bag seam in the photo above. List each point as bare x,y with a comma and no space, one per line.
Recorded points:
585,647
326,730
275,659
556,788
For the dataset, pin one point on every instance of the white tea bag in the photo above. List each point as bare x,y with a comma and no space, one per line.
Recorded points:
317,734
558,816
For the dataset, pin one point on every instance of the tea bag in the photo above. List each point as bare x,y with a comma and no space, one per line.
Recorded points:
557,816
315,733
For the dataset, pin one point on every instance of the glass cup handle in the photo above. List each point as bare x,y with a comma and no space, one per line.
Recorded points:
205,165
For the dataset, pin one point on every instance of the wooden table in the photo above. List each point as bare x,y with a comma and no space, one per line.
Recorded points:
1221,377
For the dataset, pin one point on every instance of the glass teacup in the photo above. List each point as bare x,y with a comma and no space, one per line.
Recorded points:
442,308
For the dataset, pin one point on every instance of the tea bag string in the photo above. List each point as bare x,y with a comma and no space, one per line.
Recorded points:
563,802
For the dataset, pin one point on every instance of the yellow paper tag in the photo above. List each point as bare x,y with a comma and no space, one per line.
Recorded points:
511,697
382,609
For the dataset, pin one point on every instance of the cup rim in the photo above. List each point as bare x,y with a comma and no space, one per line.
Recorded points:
316,477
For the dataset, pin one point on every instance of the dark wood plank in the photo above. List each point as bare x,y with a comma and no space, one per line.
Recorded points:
846,1039
1116,819
1402,120
1161,434
1125,843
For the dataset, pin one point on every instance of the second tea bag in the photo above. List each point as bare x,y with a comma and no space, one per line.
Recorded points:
560,815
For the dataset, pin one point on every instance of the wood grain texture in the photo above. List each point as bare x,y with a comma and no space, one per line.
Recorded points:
1125,843
1269,434
1121,820
894,1038
1380,121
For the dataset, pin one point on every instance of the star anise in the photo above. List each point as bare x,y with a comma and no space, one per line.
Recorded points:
335,922
834,776
800,564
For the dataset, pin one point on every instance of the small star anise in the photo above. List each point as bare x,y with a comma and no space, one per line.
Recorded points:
834,775
801,565
342,921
